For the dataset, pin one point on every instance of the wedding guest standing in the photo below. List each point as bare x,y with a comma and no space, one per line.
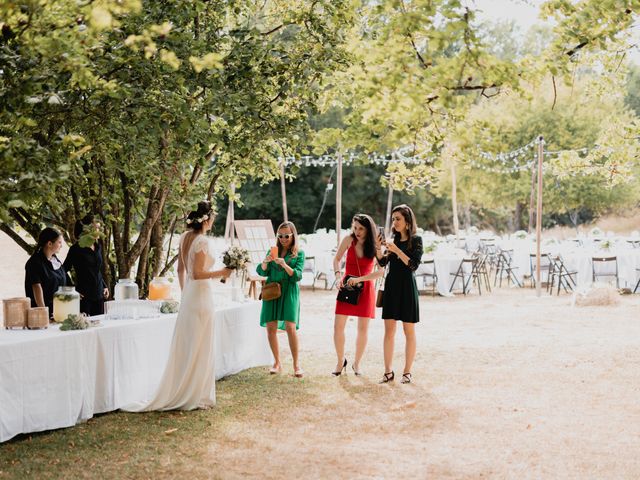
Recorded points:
400,298
86,262
44,272
283,312
360,248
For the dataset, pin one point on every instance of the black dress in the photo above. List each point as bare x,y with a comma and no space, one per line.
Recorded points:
400,297
87,264
50,274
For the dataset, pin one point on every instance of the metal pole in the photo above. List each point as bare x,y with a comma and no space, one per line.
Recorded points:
539,215
454,198
387,222
532,196
283,189
339,199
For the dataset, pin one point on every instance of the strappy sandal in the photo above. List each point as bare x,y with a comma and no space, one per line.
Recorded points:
388,377
298,373
406,378
275,370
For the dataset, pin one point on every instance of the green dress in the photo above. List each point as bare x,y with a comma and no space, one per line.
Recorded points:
287,307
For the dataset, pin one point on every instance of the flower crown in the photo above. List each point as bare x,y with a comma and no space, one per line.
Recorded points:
197,220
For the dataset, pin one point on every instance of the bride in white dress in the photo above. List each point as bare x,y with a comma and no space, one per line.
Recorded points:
188,381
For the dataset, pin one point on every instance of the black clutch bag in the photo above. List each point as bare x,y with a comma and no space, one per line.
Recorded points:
349,294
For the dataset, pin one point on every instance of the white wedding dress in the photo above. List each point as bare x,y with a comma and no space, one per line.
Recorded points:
188,381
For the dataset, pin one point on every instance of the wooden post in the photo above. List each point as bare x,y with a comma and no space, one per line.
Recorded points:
532,196
283,189
229,226
454,198
387,222
539,216
339,199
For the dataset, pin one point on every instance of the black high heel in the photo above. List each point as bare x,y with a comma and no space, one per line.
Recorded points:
406,378
388,377
343,369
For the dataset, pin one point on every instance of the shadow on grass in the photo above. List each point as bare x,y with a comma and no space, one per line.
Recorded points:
127,445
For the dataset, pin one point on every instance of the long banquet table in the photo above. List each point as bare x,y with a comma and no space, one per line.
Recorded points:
51,379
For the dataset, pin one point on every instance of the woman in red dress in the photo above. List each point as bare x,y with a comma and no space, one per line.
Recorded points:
360,247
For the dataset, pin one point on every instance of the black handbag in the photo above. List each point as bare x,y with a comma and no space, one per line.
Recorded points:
350,293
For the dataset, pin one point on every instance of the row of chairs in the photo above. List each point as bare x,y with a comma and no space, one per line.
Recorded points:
479,266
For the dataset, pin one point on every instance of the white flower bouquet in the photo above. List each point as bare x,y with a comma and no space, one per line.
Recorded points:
235,258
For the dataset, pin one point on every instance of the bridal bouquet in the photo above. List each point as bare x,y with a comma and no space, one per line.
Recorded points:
235,258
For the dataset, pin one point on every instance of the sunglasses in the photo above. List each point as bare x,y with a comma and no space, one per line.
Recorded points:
286,236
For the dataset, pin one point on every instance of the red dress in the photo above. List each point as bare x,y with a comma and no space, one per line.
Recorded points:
366,306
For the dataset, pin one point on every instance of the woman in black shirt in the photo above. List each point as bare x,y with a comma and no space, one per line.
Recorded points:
87,265
44,272
400,296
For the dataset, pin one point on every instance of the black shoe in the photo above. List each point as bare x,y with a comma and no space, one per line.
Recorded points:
388,377
358,373
406,378
343,369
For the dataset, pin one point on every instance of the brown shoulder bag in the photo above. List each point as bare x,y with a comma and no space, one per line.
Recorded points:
271,291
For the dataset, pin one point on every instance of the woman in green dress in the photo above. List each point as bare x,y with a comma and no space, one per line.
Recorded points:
284,312
400,297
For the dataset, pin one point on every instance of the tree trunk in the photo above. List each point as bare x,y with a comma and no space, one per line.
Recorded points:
517,216
467,216
438,231
141,274
17,238
157,245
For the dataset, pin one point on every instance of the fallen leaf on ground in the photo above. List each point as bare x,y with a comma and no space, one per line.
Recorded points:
171,430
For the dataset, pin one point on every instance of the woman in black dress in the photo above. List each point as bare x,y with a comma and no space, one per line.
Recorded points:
400,297
44,272
87,264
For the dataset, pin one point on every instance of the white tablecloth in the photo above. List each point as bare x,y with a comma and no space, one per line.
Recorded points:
51,379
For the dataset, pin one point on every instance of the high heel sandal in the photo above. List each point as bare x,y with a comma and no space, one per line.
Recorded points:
388,377
343,369
358,373
275,370
298,373
406,378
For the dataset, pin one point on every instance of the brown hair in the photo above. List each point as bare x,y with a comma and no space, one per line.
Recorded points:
410,218
293,250
195,219
367,222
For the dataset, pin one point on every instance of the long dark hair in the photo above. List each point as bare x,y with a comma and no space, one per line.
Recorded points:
196,218
293,249
367,222
47,235
410,219
85,221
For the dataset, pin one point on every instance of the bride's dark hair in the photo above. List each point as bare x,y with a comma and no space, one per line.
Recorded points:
197,217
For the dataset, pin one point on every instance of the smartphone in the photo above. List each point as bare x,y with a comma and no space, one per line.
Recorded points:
381,232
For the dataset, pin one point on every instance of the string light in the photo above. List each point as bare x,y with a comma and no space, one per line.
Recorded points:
400,155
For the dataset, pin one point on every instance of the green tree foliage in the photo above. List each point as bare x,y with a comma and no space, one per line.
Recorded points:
575,182
135,110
